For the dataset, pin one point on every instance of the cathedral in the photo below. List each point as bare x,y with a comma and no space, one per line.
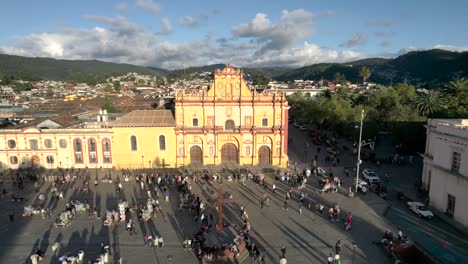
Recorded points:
226,123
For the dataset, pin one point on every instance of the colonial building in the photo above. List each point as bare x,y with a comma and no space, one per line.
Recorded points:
227,123
445,172
230,123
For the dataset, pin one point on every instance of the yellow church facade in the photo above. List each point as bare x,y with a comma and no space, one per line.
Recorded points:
229,123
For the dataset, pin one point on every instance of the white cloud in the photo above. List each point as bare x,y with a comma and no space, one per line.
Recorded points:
149,6
450,47
122,6
116,39
188,21
166,26
292,27
355,40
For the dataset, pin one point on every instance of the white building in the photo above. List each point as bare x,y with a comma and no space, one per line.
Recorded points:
445,172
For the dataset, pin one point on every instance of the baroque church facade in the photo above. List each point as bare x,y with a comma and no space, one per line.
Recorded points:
226,123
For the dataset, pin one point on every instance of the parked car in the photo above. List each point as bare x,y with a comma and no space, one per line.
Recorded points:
303,127
296,124
370,176
420,209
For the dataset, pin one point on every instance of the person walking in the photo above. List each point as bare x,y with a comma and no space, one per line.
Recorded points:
337,259
330,259
283,251
338,247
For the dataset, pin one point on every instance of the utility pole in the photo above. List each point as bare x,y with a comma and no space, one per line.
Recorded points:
359,152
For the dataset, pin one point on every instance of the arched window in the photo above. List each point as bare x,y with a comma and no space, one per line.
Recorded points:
229,125
92,150
162,142
133,143
78,149
106,150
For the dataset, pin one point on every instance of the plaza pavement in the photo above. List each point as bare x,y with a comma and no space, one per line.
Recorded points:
309,237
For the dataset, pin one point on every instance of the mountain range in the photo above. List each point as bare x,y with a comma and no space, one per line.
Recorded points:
430,67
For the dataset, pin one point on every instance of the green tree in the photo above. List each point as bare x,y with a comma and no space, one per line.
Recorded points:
261,80
457,98
109,106
117,86
429,103
365,73
405,92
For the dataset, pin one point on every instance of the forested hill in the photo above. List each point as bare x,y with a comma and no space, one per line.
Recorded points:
52,69
431,66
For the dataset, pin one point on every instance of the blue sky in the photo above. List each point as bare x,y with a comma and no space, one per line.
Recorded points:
176,34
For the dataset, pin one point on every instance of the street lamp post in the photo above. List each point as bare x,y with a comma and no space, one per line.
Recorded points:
359,152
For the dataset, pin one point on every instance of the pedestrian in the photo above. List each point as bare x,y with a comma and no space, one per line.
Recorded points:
283,251
300,208
11,216
330,259
337,259
349,222
285,206
273,188
338,247
400,234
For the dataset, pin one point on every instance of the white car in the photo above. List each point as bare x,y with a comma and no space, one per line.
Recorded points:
296,124
370,176
303,127
362,186
420,209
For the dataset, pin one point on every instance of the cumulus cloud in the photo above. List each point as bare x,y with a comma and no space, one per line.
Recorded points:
122,6
355,40
116,39
149,6
380,22
188,21
293,26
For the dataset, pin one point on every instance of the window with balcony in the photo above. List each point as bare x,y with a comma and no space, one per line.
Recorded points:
92,150
78,150
106,150
195,122
50,159
264,122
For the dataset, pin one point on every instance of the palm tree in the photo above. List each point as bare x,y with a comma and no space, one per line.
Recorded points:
456,86
429,103
365,73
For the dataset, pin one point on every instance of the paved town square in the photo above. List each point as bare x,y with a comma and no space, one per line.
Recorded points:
308,236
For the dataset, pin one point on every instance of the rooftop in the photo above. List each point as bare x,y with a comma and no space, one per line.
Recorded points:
146,118
455,123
